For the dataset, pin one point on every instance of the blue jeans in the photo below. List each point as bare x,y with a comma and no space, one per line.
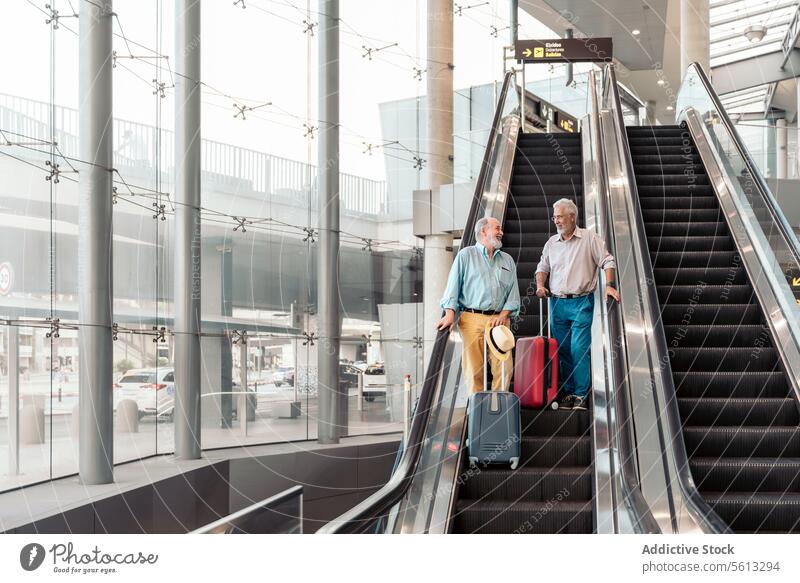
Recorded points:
571,326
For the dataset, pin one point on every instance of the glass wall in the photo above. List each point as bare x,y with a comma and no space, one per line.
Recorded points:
260,229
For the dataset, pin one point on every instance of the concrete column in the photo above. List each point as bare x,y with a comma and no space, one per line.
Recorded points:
438,248
513,18
695,40
782,148
650,109
95,294
187,229
328,429
13,400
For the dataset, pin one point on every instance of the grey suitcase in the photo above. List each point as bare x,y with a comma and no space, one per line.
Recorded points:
493,426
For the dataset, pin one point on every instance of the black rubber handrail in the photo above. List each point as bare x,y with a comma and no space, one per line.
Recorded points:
766,194
699,506
363,516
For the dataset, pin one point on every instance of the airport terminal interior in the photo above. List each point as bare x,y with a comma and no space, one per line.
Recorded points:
227,227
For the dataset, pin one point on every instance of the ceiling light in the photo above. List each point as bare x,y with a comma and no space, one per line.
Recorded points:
755,33
635,32
660,82
670,108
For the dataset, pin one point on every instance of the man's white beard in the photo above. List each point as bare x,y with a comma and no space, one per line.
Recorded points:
495,243
564,230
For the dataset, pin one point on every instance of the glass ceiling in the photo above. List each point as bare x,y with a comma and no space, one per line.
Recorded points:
729,19
752,100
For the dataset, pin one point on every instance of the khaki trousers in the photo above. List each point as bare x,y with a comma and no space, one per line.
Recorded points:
471,327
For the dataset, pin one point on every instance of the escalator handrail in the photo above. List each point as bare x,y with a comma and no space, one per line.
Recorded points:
359,518
766,194
699,507
632,493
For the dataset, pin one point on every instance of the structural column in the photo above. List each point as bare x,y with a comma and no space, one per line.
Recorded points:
12,353
650,112
329,319
695,40
95,294
438,248
187,229
782,148
513,21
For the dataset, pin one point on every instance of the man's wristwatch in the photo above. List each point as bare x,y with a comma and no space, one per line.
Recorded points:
611,284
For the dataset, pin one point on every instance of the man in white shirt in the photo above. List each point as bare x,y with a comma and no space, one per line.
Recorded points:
570,260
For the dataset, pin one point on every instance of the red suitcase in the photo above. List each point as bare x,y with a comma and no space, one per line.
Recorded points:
536,369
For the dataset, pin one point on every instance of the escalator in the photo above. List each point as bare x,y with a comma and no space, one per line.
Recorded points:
738,412
551,491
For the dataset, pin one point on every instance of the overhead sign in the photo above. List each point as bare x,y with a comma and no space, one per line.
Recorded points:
564,50
566,122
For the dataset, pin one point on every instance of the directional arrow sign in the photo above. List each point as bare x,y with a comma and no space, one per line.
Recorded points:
564,50
796,282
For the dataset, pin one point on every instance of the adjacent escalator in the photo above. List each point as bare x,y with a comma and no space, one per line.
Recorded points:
551,491
738,411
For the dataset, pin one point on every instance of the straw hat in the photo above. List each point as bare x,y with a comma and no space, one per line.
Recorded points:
500,341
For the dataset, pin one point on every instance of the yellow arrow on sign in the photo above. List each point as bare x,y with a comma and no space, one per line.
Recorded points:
796,282
526,53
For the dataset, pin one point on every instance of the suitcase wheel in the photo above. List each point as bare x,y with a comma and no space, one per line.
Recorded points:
473,461
514,463
554,405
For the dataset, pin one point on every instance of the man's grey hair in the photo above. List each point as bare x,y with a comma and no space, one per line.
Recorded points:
570,206
479,225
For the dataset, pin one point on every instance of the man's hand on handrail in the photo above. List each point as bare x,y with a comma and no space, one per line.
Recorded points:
447,320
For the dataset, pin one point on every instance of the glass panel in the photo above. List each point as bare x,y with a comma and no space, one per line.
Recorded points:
777,244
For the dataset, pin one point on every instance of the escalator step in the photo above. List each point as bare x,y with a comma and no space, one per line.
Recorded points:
526,255
695,184
705,294
555,423
528,213
695,228
526,195
527,324
653,217
686,336
517,240
713,314
706,244
662,169
543,153
515,225
758,511
678,140
561,179
666,159
765,385
527,483
742,442
748,474
655,190
563,168
556,451
556,515
750,358
664,258
678,201
662,150
738,412
697,275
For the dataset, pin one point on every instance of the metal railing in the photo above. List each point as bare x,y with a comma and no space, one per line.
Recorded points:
140,147
279,514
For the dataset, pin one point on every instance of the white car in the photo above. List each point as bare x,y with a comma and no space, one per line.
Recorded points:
374,381
152,389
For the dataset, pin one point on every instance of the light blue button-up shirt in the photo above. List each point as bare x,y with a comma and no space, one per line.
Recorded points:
481,283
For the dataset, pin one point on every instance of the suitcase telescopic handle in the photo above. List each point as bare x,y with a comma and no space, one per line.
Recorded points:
541,317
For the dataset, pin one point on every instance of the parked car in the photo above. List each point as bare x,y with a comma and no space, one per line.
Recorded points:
283,375
348,373
152,389
374,381
154,393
